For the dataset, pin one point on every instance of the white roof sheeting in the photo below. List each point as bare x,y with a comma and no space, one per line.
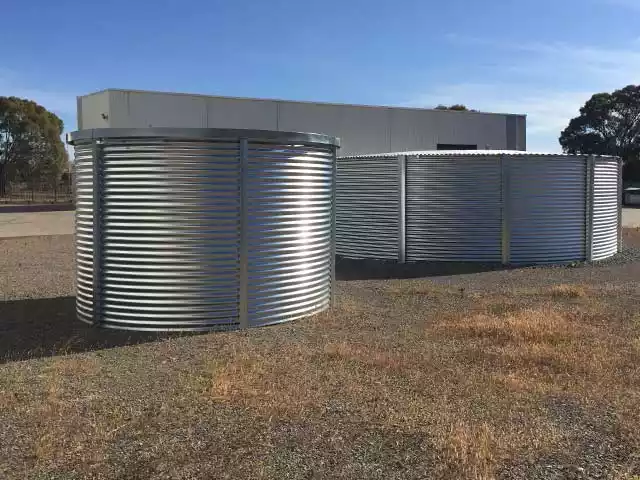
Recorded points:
471,153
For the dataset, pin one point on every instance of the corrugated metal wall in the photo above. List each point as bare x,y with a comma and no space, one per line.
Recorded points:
606,202
453,208
367,208
546,209
199,233
171,229
504,207
289,195
83,179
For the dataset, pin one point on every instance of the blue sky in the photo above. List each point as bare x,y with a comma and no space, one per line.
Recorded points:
542,58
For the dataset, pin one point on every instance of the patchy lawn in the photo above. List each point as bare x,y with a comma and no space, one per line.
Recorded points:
424,378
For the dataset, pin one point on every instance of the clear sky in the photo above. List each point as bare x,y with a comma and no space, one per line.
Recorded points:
543,58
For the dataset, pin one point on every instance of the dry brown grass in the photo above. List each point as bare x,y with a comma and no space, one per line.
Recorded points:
529,326
568,291
472,449
451,386
478,386
413,288
60,428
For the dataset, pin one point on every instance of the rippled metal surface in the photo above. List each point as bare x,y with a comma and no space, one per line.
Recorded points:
202,234
84,231
367,196
492,206
546,203
453,208
289,235
606,203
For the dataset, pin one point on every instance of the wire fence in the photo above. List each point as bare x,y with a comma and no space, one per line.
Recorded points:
24,193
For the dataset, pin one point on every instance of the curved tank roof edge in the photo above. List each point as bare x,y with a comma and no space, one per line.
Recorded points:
471,153
202,133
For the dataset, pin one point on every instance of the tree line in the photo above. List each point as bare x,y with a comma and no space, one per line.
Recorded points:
458,107
608,124
31,148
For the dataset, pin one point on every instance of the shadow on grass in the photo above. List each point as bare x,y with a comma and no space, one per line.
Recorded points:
47,327
349,269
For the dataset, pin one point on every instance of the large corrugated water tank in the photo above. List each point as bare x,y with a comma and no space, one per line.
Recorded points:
197,229
482,206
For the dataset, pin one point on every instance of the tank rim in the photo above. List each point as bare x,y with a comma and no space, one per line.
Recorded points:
271,136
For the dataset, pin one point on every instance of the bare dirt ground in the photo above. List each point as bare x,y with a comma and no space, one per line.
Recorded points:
25,223
519,373
631,217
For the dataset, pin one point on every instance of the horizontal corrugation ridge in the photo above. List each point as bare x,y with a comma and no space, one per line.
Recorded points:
454,206
289,196
453,209
605,208
367,208
84,231
547,209
176,265
171,218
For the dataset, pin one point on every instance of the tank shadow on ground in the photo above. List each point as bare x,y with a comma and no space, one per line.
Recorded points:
48,327
350,269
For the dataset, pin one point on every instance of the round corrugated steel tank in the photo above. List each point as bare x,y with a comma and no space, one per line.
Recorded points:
481,206
198,229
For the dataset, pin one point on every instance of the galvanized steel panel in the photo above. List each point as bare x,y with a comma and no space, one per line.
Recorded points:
606,200
514,207
453,208
367,208
289,194
175,215
170,234
84,231
546,209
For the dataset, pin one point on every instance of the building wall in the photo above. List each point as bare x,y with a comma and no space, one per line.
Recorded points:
93,111
521,133
362,129
425,129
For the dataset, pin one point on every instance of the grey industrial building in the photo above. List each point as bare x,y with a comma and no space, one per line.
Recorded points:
362,129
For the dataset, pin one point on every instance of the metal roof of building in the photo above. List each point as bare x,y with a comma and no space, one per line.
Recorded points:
471,153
